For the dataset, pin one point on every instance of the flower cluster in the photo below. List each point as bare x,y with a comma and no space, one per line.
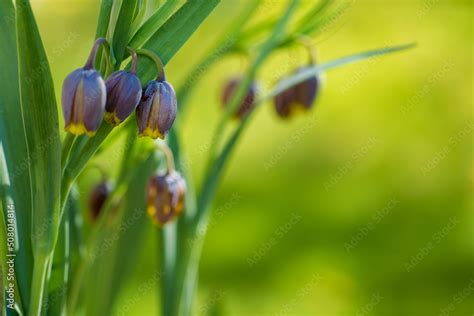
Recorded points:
87,99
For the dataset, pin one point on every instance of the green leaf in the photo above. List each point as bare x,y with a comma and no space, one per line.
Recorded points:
313,16
7,247
14,143
140,11
122,29
153,23
38,104
104,18
174,33
101,30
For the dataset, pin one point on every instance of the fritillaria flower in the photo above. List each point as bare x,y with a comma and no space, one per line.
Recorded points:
84,96
157,109
158,106
165,197
248,102
124,91
298,97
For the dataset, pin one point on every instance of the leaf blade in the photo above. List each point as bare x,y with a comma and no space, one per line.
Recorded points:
175,32
122,29
14,143
38,103
153,23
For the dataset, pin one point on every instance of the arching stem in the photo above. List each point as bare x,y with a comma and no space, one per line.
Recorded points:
133,68
168,155
154,57
307,42
92,57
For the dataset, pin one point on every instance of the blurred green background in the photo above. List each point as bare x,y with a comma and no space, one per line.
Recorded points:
362,207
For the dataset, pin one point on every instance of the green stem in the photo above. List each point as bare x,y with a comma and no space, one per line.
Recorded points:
93,55
154,57
168,155
66,185
66,147
133,54
40,269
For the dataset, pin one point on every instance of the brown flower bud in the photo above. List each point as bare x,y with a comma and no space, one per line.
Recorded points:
247,104
298,97
98,197
165,197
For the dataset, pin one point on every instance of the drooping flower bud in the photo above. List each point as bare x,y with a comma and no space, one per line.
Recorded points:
248,102
98,197
124,91
83,97
298,97
165,197
157,109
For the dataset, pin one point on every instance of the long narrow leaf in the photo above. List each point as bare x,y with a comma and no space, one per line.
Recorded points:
175,32
104,18
154,23
11,301
38,103
103,26
40,117
14,143
123,29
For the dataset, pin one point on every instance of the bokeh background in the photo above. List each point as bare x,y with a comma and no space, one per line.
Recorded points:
362,207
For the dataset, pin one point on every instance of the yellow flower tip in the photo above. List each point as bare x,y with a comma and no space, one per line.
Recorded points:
151,210
78,129
153,133
153,214
297,107
112,119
